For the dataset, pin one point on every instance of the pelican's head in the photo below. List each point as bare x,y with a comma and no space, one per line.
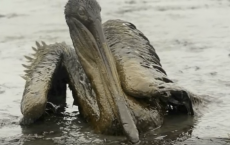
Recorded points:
84,15
86,11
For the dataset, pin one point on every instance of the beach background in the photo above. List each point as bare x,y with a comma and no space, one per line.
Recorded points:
192,38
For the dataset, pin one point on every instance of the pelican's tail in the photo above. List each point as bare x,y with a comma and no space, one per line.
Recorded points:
179,99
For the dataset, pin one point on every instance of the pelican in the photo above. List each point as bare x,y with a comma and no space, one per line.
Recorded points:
114,73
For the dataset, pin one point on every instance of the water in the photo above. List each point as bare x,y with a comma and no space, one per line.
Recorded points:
190,36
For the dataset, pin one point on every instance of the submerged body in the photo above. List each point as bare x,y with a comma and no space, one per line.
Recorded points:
116,78
142,62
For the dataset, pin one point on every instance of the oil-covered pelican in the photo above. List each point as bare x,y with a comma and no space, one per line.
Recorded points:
114,73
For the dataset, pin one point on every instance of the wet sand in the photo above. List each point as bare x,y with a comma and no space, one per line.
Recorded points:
191,38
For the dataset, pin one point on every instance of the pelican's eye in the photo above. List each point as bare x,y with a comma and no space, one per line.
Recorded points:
81,12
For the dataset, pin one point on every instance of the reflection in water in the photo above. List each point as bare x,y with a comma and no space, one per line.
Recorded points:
70,128
175,125
191,38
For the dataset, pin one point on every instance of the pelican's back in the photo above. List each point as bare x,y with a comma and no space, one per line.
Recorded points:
137,62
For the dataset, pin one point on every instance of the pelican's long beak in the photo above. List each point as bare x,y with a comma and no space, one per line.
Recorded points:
107,57
94,50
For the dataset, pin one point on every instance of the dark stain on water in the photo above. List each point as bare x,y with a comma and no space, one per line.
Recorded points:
1,16
1,92
12,15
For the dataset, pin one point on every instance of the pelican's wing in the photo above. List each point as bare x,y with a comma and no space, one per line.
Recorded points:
50,69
